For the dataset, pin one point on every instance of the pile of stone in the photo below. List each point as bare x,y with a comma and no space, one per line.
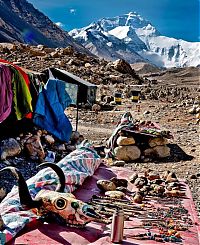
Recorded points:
144,148
38,146
195,110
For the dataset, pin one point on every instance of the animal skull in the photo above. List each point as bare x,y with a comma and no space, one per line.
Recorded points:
64,205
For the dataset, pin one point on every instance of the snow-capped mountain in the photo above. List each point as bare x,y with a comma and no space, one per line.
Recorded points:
135,39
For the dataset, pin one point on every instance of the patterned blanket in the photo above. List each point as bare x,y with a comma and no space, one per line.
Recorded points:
78,165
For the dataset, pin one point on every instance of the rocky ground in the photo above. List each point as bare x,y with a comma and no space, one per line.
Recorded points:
167,97
185,147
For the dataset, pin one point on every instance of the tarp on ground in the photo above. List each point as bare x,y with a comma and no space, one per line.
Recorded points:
99,234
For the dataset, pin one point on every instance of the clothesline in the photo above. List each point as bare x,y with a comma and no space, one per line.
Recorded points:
25,95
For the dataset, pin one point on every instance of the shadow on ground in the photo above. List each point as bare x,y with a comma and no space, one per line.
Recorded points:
177,154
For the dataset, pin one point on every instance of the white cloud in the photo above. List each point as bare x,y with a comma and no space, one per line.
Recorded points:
60,24
72,11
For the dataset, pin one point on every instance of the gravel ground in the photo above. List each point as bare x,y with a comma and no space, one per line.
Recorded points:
185,147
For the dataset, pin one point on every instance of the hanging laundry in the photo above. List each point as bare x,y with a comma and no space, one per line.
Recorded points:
25,76
6,94
21,95
49,112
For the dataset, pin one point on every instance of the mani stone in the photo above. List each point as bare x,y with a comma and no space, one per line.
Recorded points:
127,153
157,141
160,151
9,148
122,140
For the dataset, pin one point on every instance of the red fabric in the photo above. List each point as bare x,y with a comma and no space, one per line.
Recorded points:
99,234
26,78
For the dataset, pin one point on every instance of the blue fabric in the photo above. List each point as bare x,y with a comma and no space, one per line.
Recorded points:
49,112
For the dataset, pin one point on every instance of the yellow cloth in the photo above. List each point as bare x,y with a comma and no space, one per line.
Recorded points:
21,95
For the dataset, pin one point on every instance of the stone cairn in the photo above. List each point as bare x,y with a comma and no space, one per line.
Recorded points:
129,148
195,110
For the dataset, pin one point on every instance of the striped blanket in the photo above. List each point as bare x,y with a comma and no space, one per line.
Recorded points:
78,165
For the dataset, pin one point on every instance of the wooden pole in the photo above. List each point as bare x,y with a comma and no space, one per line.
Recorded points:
77,109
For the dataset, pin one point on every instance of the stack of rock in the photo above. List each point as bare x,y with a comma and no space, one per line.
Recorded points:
129,150
196,109
158,148
126,149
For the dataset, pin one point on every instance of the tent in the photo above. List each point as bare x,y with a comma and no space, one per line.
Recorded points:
86,90
36,102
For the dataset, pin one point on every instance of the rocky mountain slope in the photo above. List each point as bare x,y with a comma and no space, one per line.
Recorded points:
135,39
176,83
21,22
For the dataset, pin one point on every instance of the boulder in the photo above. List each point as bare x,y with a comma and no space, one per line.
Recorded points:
61,63
55,54
37,52
9,148
41,47
122,140
115,79
34,148
48,50
68,51
123,66
87,65
9,46
60,147
49,139
160,151
157,141
127,153
75,137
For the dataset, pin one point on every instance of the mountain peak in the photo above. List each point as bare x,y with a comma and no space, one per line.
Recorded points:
133,15
136,40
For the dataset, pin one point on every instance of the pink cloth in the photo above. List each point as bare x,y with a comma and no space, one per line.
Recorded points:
6,94
99,234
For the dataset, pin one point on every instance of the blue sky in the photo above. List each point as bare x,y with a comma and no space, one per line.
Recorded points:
174,18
